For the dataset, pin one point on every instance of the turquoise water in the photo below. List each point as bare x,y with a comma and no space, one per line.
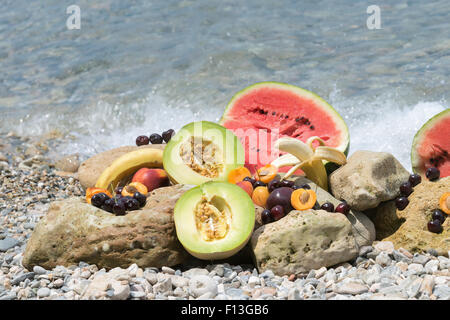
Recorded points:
138,67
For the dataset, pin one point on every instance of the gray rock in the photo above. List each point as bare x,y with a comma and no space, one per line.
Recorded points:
302,241
39,270
22,277
8,243
199,285
368,179
383,259
442,291
43,292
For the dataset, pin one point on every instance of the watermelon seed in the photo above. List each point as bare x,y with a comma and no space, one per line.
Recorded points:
311,127
274,113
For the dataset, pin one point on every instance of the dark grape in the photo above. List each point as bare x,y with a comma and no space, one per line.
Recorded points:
327,206
434,226
415,179
286,183
280,196
249,179
401,203
266,217
272,185
156,138
142,140
108,205
167,135
406,189
131,204
277,212
438,215
343,208
258,184
118,208
432,173
98,199
118,190
140,198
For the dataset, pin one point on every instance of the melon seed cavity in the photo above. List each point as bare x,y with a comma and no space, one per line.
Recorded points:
202,156
211,223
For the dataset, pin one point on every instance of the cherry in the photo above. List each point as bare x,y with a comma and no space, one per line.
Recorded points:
266,217
118,208
406,189
156,138
99,199
432,173
401,203
343,208
438,215
277,212
415,179
142,140
167,135
274,184
140,198
434,226
327,206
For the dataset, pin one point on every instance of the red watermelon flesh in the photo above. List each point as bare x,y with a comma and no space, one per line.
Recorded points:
264,112
431,145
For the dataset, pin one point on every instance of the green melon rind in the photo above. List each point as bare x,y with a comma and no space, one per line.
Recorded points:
339,121
418,139
237,151
246,220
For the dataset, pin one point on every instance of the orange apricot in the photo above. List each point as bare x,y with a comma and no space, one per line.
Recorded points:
132,188
267,173
247,186
91,191
303,199
444,202
238,174
260,196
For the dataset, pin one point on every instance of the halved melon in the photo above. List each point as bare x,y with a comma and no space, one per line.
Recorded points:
214,220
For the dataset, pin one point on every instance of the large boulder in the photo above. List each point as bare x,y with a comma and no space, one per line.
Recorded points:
311,239
92,168
74,231
408,228
368,179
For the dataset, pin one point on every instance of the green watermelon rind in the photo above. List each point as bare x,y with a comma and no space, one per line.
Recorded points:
418,139
339,121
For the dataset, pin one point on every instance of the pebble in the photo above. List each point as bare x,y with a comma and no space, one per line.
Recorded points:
383,259
385,246
200,284
351,288
8,243
43,292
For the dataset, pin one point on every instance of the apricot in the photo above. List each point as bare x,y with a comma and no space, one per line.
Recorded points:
238,174
267,173
132,188
151,178
303,199
260,196
444,202
91,191
247,186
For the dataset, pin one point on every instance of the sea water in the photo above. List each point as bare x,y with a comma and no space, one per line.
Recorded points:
138,67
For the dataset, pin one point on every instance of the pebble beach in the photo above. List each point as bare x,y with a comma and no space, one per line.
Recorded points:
30,180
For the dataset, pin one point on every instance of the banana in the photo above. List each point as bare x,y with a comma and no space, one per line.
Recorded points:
305,156
128,164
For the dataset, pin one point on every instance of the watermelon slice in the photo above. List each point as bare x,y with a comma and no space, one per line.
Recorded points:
266,111
431,145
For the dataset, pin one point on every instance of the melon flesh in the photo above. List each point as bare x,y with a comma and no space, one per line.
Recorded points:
431,145
267,111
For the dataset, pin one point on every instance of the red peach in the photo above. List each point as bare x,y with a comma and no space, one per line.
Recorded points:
247,186
151,178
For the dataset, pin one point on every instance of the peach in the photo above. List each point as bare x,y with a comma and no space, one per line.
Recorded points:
91,191
151,178
247,186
